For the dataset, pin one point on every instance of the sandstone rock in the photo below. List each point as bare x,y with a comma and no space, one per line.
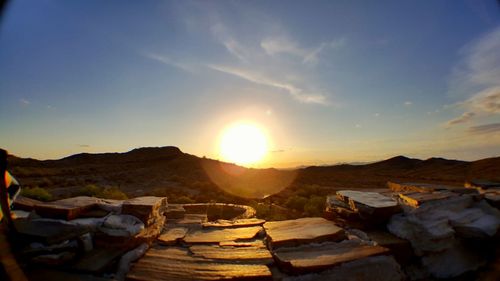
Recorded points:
146,208
453,262
416,187
99,259
121,225
416,199
175,211
24,203
192,219
400,248
301,231
220,235
48,231
376,268
234,223
371,205
171,236
68,209
316,257
251,254
176,264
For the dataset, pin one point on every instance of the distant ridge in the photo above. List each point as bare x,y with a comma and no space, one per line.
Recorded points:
160,166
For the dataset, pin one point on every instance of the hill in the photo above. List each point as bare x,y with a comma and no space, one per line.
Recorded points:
169,171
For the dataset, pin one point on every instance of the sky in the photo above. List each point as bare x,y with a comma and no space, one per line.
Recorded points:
327,81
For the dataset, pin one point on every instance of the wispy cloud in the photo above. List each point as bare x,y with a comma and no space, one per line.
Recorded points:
291,89
24,101
282,45
166,60
408,103
466,117
479,75
485,129
84,145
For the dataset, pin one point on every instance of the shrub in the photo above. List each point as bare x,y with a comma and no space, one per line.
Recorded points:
181,200
37,193
90,190
296,202
315,206
112,193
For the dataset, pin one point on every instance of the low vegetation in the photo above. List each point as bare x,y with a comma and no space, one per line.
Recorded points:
37,193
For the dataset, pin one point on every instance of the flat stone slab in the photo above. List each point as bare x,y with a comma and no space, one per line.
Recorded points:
67,209
428,187
400,248
234,223
301,231
48,232
146,208
369,204
253,254
172,235
175,211
25,203
316,257
192,219
416,199
177,264
220,235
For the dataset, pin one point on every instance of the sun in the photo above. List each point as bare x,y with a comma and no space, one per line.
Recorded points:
243,143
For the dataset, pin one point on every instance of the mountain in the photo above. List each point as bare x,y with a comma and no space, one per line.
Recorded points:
169,170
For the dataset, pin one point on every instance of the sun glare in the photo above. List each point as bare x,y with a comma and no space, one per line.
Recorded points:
243,143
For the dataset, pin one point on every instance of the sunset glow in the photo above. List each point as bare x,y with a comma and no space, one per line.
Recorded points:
243,143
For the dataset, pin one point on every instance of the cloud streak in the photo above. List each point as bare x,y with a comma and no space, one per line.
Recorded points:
485,129
166,60
296,92
464,118
282,45
480,69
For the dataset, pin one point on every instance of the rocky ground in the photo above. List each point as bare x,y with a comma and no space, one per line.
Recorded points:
408,232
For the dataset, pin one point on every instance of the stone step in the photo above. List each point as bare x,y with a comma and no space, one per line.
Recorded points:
302,231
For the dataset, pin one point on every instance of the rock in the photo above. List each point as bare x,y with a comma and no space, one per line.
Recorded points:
251,254
54,259
400,248
416,199
99,259
417,187
48,231
482,184
424,235
192,219
150,234
127,259
493,198
301,231
44,274
377,268
371,205
121,225
172,236
177,264
175,211
220,235
254,243
146,208
474,223
453,262
316,257
25,203
67,209
234,223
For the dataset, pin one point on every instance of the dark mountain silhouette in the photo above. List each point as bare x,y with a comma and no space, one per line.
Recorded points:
146,170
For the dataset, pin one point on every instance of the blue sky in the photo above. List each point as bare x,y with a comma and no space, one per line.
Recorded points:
329,81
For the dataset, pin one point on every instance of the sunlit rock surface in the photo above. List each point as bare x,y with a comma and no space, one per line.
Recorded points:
377,268
172,235
220,235
254,254
302,231
234,223
369,204
178,264
147,208
315,257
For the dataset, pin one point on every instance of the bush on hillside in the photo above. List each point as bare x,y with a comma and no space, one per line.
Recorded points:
37,193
